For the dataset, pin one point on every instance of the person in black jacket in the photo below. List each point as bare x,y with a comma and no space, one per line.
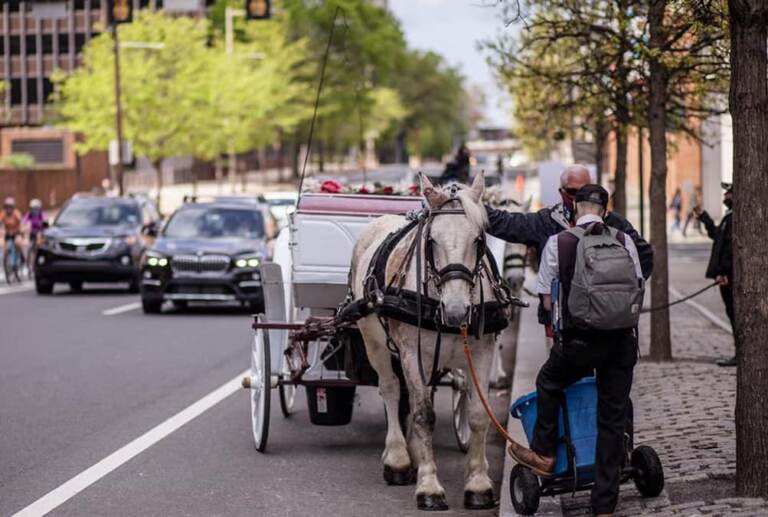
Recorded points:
720,266
533,229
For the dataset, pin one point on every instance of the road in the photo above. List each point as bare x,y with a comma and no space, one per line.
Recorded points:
82,375
687,266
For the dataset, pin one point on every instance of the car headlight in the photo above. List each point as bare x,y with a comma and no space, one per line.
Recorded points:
154,259
247,262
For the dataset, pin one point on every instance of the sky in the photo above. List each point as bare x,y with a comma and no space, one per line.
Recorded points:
452,28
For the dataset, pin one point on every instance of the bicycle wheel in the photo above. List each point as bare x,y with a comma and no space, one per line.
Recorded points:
31,260
7,266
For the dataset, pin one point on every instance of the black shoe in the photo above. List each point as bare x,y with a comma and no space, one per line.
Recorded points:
727,362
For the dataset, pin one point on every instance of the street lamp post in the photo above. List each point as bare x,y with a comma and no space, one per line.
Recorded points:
118,111
229,49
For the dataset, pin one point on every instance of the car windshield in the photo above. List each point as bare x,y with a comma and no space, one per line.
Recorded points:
87,213
211,222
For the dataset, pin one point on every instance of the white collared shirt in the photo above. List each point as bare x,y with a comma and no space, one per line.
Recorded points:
549,268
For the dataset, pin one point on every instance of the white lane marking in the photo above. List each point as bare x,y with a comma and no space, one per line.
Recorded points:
16,288
121,308
717,321
92,474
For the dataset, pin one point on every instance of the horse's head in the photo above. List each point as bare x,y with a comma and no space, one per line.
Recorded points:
455,238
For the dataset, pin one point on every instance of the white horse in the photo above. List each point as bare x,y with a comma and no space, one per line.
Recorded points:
454,241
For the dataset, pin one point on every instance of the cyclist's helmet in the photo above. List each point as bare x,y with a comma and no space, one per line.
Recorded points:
9,203
35,204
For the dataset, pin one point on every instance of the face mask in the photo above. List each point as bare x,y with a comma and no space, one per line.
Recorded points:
569,208
728,203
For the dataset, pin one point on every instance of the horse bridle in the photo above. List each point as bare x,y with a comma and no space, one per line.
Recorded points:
453,270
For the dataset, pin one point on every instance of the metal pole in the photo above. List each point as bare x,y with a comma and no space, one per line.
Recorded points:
229,49
640,176
118,111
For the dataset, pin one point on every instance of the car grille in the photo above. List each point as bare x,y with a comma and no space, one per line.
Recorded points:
87,246
200,263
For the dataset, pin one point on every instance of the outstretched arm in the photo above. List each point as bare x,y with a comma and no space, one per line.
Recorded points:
517,227
709,224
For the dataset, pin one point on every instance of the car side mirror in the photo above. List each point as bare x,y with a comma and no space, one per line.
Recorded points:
150,229
46,225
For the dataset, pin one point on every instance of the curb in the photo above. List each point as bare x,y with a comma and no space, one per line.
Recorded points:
531,354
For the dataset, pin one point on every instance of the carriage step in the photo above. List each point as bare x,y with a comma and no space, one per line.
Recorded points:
251,382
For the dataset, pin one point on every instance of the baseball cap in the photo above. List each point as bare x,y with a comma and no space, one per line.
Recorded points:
592,193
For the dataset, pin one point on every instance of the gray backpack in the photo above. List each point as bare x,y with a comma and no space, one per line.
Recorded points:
605,292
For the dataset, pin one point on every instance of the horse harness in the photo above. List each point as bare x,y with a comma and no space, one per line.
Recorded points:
390,300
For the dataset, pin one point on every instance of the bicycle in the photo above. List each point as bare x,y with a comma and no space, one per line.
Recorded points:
12,261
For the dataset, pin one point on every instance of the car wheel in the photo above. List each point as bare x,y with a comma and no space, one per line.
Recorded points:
43,286
256,307
151,306
76,286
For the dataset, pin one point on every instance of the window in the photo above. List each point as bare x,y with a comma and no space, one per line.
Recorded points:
15,46
49,151
32,91
31,44
15,91
79,42
47,89
47,44
63,43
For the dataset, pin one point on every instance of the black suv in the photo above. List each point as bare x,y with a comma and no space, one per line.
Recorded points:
95,239
208,252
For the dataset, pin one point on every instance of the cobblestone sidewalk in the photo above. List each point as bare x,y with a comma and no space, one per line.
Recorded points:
684,410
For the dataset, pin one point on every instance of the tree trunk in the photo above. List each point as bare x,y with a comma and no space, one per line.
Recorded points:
749,109
620,178
158,165
600,138
661,345
296,155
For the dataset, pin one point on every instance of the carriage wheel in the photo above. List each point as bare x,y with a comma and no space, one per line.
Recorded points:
260,386
287,394
461,410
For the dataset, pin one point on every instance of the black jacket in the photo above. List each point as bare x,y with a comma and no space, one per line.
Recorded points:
721,259
533,229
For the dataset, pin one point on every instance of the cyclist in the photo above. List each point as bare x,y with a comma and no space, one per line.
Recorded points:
35,221
11,219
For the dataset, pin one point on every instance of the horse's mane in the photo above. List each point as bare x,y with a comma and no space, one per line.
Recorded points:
475,211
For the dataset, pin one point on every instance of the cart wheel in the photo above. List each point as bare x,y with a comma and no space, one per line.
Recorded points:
524,490
260,389
287,395
649,474
461,410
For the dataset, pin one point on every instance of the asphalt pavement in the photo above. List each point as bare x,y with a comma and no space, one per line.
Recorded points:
82,375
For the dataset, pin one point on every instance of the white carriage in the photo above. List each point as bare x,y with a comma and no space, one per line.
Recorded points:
297,342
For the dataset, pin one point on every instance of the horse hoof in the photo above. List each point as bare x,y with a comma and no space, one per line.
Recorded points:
399,477
431,502
479,500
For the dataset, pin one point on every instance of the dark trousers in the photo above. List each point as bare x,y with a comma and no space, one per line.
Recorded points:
726,293
613,356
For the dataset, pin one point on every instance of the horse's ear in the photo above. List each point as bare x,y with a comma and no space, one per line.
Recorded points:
478,187
434,197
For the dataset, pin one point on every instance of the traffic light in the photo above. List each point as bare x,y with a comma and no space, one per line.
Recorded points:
119,11
257,9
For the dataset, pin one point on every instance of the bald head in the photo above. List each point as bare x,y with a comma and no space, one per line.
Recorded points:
575,176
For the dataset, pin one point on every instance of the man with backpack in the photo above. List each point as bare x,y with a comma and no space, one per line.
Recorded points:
600,284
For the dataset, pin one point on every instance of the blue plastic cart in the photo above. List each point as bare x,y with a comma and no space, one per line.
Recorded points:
575,459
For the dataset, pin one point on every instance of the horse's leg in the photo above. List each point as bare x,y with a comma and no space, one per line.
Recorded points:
430,494
478,490
397,462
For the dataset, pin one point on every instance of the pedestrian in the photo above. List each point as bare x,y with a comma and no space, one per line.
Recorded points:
458,168
693,201
534,228
676,206
589,340
720,267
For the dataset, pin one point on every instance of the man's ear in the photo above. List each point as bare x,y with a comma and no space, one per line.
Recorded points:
478,187
435,198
